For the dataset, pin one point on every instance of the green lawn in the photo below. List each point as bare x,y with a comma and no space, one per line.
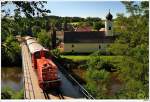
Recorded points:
82,57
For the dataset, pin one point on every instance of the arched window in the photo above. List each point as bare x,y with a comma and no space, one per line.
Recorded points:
109,28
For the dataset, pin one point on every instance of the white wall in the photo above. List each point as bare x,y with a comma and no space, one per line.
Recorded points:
107,25
83,47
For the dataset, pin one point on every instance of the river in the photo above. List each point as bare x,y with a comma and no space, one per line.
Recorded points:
12,77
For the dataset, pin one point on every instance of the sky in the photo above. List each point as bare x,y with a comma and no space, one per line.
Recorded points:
85,8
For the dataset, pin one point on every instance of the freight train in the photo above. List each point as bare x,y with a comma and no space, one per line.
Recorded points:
47,71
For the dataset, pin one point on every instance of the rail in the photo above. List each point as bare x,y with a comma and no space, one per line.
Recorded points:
81,88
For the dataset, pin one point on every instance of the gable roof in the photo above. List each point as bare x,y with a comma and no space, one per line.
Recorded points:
87,37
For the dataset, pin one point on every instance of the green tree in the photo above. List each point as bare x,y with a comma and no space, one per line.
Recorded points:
10,51
98,25
17,24
44,38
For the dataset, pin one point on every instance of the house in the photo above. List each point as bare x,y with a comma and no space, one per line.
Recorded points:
88,41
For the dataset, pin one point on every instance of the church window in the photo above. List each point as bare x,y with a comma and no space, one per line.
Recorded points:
99,46
109,28
72,45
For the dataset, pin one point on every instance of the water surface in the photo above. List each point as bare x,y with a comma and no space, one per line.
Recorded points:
12,77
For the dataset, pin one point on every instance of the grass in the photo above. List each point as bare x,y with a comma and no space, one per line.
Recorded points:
76,58
83,57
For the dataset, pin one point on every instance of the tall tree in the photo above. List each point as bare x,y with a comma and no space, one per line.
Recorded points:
17,24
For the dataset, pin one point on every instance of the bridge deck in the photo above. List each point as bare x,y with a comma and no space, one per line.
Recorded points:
32,90
31,87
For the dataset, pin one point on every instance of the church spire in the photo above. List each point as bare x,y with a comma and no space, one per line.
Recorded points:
109,16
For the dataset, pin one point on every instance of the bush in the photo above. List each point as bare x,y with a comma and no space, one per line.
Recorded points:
11,52
118,49
8,93
55,53
44,38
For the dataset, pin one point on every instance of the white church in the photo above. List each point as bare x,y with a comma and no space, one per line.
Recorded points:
87,42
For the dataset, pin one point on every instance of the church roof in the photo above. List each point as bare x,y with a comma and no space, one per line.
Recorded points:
109,16
87,37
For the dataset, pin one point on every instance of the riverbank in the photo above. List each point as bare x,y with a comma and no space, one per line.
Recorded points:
12,83
102,80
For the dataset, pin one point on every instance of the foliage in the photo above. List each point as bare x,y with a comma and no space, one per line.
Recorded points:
133,70
98,25
55,53
27,8
16,24
118,49
8,93
44,38
96,77
78,58
11,51
132,43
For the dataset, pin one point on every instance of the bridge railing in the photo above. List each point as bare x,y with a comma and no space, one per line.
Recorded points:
81,88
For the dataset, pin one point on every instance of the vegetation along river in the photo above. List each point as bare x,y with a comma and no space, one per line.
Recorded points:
12,77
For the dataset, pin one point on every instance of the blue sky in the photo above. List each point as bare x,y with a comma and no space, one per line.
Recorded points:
85,8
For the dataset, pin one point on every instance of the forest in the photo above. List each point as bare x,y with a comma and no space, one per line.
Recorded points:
131,70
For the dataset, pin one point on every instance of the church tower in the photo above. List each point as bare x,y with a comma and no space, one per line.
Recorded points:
109,25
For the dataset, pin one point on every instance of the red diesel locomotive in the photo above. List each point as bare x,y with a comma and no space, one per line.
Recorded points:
47,71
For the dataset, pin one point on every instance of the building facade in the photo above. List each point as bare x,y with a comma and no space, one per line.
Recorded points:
88,41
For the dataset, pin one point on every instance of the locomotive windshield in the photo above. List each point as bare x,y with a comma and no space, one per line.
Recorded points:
47,54
37,55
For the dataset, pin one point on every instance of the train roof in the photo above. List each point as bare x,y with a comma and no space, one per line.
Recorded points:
35,47
30,41
28,37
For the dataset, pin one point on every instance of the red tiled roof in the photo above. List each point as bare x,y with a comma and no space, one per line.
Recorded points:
84,29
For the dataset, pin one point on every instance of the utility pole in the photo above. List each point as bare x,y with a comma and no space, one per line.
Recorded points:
53,38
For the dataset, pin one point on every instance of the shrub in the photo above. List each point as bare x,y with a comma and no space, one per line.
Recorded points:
8,93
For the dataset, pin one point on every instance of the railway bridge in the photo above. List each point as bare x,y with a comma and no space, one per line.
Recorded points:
68,90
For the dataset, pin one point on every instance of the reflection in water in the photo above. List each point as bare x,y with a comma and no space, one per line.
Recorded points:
12,77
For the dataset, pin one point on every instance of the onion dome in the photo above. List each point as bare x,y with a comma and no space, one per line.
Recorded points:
109,16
